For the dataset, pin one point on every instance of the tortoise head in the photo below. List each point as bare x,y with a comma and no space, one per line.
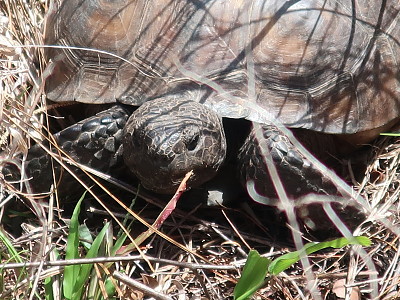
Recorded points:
167,137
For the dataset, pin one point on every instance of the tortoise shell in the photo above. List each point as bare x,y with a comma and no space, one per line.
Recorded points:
324,65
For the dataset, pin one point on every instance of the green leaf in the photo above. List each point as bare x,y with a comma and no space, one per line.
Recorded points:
85,269
14,255
110,287
85,236
48,282
72,251
285,261
256,267
253,276
118,243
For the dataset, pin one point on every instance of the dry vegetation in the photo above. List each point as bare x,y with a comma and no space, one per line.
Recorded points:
204,252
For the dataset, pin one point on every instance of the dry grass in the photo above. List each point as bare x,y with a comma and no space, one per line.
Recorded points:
204,260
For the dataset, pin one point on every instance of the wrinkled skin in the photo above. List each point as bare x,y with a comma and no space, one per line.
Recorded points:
166,138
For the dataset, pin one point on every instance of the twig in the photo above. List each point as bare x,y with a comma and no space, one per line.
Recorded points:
140,286
79,261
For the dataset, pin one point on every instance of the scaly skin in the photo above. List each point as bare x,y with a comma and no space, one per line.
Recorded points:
94,142
168,137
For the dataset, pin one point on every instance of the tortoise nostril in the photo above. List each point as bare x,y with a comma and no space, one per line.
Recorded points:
193,143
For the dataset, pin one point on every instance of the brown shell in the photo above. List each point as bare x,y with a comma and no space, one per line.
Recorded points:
317,64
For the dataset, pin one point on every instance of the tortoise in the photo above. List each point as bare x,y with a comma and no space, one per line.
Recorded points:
326,69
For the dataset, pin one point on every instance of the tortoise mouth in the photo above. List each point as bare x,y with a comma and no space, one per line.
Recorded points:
168,183
165,139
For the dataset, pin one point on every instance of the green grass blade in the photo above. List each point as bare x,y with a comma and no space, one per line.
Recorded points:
110,287
253,276
85,269
14,255
85,237
48,282
72,252
285,261
390,134
118,243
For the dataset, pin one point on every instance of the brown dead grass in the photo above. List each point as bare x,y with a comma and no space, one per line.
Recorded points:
219,249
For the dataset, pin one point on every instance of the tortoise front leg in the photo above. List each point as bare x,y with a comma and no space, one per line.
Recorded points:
301,179
94,142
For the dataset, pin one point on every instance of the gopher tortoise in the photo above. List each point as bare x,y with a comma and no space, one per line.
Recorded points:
326,69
